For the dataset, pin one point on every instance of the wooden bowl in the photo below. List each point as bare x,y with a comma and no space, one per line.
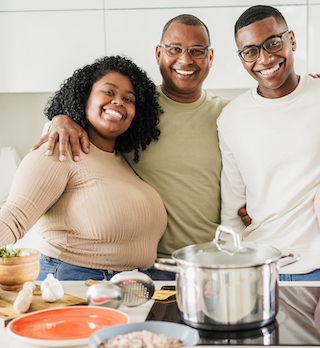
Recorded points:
15,271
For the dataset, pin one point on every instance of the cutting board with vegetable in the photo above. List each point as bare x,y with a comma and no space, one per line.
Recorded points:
7,298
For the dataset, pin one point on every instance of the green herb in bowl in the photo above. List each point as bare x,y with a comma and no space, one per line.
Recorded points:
9,251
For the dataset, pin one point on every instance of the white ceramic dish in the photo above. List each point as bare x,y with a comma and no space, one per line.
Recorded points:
64,327
186,334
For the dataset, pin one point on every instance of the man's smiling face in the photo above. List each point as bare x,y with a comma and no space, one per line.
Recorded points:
183,77
273,71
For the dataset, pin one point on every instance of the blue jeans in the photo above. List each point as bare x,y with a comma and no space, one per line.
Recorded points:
65,271
312,276
156,274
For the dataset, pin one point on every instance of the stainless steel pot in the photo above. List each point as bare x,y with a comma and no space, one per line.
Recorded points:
227,285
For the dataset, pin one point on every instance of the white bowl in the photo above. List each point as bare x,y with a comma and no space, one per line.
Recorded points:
186,334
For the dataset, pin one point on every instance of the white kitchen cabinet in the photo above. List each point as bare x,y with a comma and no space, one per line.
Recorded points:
190,4
49,5
43,41
313,43
139,41
40,49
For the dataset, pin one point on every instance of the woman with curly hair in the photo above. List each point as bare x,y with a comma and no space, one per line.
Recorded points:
95,217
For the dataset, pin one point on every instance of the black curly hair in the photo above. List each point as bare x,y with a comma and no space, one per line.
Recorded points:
73,95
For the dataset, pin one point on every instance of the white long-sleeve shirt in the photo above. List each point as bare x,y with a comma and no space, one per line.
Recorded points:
271,162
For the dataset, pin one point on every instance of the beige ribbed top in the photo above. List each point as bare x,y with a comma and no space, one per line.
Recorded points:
95,213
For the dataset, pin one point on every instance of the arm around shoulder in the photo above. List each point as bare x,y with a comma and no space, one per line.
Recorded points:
64,129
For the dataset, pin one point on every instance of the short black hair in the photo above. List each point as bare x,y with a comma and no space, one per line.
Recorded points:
186,19
73,95
257,13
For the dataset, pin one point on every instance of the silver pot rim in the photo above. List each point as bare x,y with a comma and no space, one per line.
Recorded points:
212,258
230,254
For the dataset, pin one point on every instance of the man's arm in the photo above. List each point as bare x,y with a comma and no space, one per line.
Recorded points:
65,130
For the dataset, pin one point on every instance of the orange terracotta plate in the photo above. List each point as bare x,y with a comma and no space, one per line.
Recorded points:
65,327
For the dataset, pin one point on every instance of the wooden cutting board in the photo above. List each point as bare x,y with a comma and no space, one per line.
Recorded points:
7,298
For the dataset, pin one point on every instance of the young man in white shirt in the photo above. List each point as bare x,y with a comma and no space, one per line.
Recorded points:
270,145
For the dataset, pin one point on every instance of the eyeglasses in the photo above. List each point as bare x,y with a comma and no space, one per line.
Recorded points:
175,51
271,45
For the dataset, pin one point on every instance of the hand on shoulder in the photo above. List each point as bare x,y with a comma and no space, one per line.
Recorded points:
65,130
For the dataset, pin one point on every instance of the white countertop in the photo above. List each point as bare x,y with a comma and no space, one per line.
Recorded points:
136,314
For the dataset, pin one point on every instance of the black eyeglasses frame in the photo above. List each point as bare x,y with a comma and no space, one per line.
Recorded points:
262,46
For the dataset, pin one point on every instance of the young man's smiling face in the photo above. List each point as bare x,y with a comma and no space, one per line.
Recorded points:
273,71
183,77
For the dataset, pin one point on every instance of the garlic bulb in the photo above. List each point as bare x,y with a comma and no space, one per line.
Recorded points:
24,298
51,289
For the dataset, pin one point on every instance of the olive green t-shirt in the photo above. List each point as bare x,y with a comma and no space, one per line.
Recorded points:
184,166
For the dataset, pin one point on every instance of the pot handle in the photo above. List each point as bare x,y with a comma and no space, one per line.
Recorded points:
292,259
228,230
169,265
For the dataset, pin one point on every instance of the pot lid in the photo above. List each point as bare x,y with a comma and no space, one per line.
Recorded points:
227,254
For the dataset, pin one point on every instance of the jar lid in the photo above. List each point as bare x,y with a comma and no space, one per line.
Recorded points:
227,254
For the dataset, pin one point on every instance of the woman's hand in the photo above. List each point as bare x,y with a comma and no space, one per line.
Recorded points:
65,130
246,219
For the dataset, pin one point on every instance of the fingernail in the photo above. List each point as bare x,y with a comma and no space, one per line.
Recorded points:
76,158
62,158
48,153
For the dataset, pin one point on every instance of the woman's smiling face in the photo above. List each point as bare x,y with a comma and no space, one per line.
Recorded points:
273,71
110,109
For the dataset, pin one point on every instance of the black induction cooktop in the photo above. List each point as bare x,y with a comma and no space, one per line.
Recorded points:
296,324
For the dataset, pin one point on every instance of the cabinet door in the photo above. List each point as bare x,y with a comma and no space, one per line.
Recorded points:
185,5
49,5
139,38
313,43
41,49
